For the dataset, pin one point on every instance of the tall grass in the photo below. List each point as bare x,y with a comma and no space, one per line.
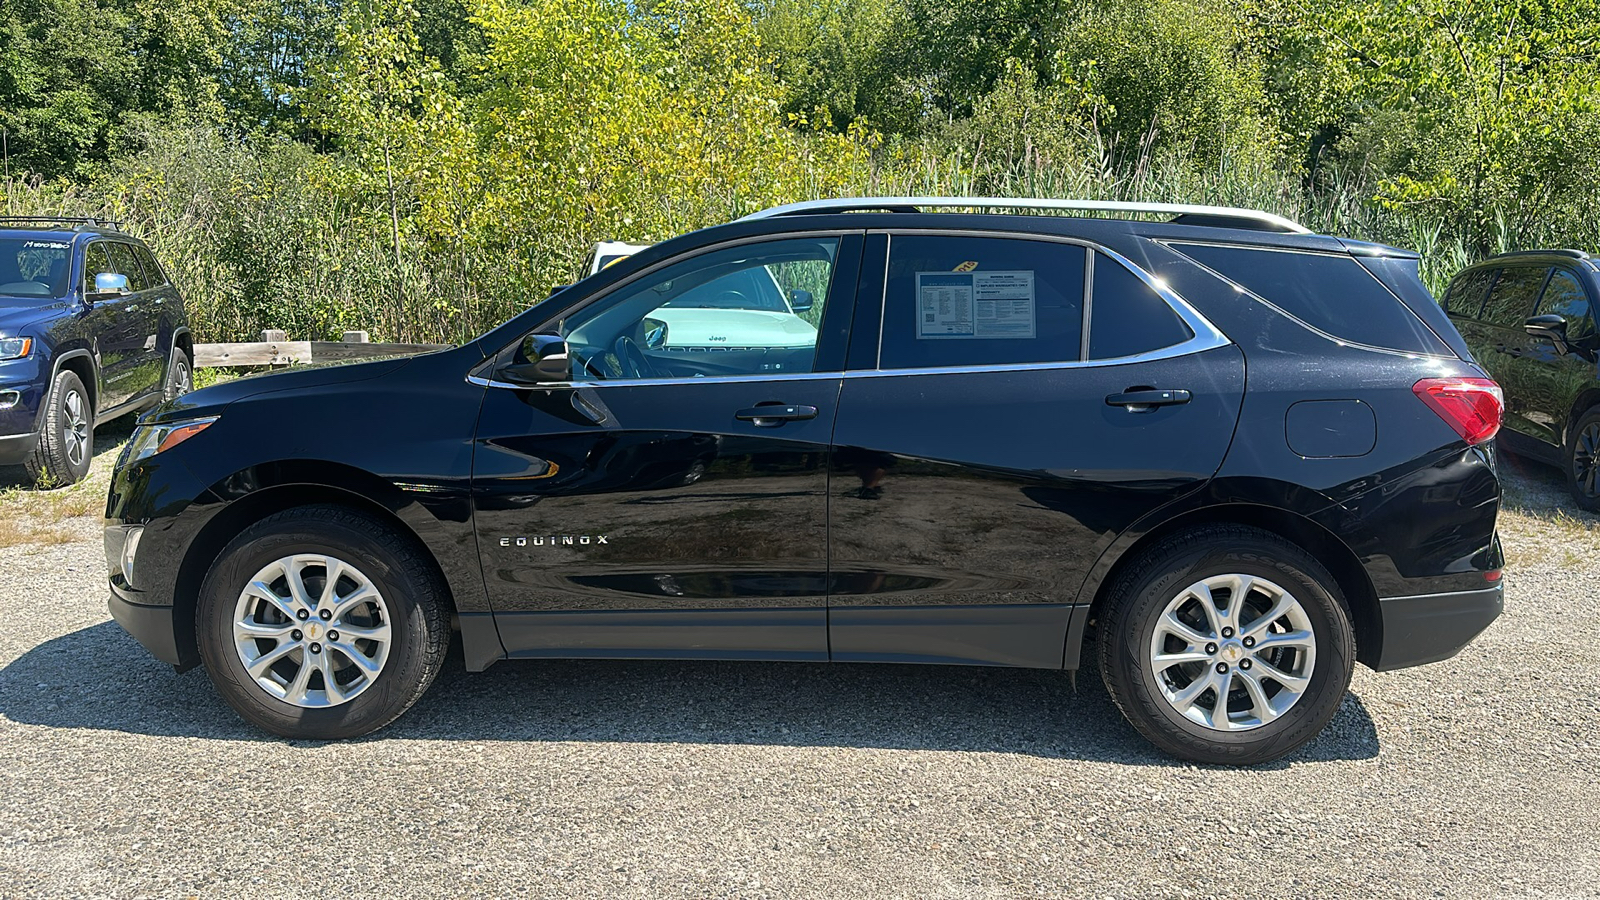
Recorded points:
267,235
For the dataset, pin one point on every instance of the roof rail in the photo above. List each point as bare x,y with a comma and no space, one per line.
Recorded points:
91,221
1217,216
1569,253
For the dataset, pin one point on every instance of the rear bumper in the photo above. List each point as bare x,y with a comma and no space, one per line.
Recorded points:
14,448
1430,627
156,627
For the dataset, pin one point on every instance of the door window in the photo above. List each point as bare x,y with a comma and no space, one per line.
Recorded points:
1127,317
152,270
1511,301
745,310
1564,297
1466,293
95,262
122,257
965,301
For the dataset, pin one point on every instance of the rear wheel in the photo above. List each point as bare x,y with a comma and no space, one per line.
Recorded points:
66,437
321,623
1583,461
180,374
1226,644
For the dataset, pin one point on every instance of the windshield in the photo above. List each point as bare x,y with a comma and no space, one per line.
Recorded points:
745,289
33,269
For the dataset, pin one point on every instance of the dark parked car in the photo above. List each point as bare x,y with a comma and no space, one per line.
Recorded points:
1529,318
91,329
1244,455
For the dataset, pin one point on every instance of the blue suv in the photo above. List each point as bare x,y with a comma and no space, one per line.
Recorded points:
91,328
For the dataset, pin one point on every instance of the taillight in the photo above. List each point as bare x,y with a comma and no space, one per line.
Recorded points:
1472,406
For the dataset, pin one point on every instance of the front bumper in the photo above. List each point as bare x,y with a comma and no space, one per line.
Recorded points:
15,448
156,627
1430,627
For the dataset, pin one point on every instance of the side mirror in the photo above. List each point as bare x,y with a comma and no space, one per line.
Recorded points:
542,359
108,285
655,334
1551,328
800,301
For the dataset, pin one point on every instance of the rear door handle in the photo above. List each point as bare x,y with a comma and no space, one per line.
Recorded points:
775,414
1148,398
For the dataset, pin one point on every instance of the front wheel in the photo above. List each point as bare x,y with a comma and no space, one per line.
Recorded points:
66,436
1583,461
320,623
1226,645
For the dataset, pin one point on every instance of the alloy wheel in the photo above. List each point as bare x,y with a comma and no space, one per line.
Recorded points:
312,630
75,430
1586,460
1233,652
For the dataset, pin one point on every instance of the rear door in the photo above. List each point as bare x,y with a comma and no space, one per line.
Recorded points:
1020,410
648,508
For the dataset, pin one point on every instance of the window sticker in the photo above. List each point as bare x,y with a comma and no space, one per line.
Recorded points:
976,305
44,245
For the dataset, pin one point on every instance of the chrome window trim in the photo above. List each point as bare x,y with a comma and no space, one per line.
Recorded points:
657,382
1342,342
1206,336
1088,303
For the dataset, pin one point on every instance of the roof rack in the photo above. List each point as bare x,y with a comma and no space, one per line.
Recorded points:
1569,253
1183,213
91,221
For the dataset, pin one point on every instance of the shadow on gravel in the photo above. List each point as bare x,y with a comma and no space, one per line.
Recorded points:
99,678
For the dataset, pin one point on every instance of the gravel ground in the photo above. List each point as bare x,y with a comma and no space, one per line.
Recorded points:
1469,778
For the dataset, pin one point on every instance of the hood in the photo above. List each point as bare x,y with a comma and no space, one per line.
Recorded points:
13,319
213,400
696,327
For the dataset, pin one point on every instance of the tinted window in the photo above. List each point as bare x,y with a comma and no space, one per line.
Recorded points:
719,313
127,264
962,301
1127,317
152,270
95,262
1330,292
1511,301
1564,297
1466,293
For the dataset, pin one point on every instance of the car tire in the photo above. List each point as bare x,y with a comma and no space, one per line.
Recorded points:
385,589
1153,666
66,437
1583,461
180,375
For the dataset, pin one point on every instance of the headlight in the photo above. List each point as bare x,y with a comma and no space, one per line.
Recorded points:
15,348
148,440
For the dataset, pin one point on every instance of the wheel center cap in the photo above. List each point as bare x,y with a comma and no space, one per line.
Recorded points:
1232,651
313,630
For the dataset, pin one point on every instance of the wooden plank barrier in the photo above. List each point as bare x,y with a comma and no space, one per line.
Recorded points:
274,349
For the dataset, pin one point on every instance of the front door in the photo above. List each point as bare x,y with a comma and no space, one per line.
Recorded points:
991,446
113,329
671,499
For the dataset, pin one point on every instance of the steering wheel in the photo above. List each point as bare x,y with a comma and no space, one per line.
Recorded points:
730,299
631,359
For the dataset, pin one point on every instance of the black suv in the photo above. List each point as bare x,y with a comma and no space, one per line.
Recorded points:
1244,455
91,328
1529,317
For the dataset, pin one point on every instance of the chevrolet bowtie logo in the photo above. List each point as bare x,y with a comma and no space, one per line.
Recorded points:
555,540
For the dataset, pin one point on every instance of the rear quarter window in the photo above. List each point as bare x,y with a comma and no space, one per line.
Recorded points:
1127,317
1330,292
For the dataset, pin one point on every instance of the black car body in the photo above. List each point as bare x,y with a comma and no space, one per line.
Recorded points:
111,344
566,488
1529,318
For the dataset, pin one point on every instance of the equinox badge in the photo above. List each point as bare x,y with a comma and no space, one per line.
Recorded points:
552,540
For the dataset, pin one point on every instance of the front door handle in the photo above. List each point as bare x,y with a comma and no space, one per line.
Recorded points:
1142,399
771,415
